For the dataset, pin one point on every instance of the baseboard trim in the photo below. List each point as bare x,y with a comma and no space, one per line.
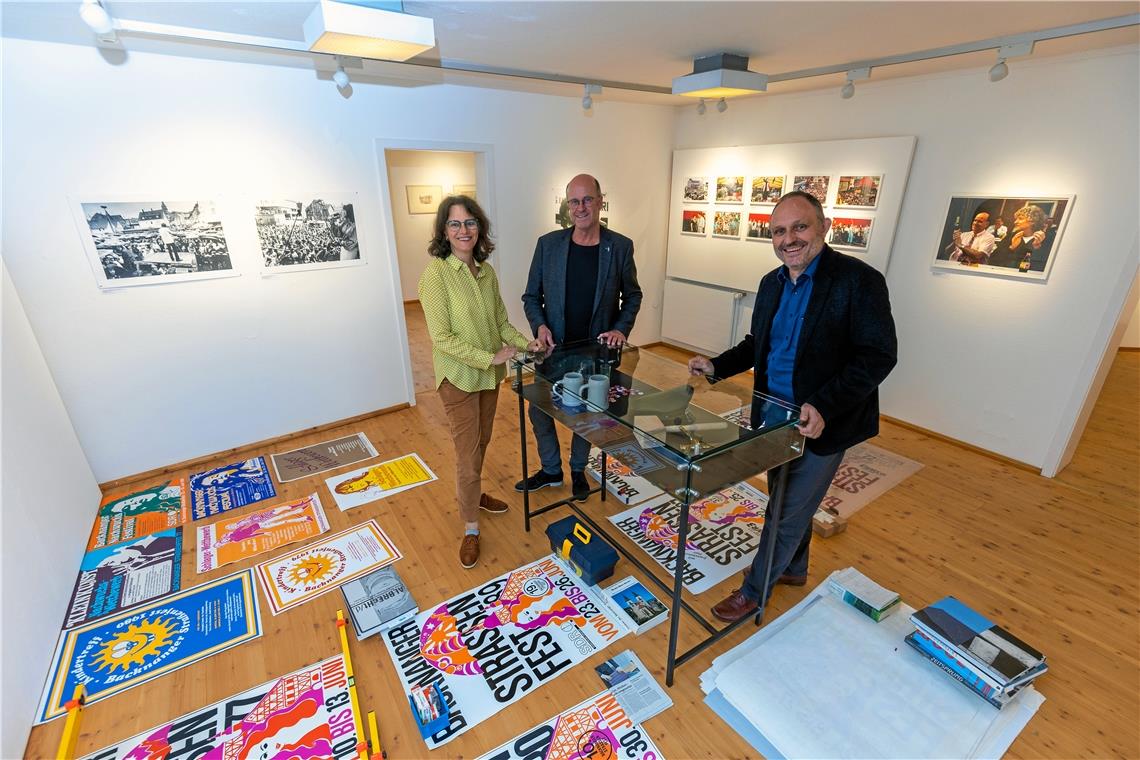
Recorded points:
119,483
963,445
1129,349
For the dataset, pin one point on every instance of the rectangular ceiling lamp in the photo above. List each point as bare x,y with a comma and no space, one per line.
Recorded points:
346,29
720,76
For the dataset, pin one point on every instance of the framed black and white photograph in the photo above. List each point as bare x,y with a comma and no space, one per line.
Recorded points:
813,184
424,199
1003,236
855,191
726,224
696,189
759,227
693,222
730,189
153,241
850,233
767,189
307,232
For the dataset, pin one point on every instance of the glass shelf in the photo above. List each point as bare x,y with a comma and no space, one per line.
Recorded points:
674,425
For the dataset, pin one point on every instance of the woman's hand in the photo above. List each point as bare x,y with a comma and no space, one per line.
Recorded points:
503,355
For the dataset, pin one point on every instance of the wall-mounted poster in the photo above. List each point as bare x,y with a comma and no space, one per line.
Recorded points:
692,222
1004,236
730,189
814,185
759,227
858,191
767,189
852,234
468,190
153,241
696,189
726,224
307,232
562,210
424,199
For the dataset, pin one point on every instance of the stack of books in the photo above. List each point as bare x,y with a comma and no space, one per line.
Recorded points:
863,594
983,656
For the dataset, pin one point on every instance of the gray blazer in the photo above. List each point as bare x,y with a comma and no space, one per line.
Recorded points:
617,297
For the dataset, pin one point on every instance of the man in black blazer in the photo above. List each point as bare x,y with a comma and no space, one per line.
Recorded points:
822,338
582,285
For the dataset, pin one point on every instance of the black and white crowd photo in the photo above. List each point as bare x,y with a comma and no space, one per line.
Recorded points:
309,232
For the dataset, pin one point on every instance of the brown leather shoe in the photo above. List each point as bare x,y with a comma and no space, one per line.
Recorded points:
469,551
492,505
736,606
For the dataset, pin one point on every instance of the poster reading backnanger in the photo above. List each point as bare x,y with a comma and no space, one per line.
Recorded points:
495,644
305,714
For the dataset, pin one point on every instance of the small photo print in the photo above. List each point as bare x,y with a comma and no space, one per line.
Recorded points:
854,234
692,222
858,191
303,233
726,224
730,189
467,190
423,199
813,185
759,227
696,189
767,189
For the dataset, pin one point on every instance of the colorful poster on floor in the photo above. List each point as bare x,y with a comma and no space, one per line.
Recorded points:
622,480
305,714
322,457
123,651
866,473
126,575
724,533
233,485
597,729
123,516
293,579
352,489
495,644
251,534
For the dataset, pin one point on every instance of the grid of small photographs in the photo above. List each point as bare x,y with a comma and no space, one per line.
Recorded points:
849,200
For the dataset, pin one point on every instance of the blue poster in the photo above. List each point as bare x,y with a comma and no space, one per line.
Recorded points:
232,485
112,655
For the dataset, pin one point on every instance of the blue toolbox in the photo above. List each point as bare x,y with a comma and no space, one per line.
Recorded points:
588,554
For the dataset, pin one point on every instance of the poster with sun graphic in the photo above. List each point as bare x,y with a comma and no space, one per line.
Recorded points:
597,729
321,567
724,533
125,516
496,643
305,714
117,653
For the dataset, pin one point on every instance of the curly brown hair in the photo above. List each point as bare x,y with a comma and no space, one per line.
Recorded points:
440,247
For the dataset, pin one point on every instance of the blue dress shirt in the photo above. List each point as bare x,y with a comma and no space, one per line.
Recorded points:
785,333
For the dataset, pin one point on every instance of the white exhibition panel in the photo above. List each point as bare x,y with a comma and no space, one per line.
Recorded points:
740,263
684,301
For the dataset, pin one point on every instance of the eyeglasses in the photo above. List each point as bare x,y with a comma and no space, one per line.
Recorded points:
585,202
455,224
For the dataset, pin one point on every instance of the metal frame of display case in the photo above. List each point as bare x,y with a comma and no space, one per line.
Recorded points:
685,495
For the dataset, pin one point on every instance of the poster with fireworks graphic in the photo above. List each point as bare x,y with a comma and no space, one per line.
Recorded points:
597,728
124,516
123,651
305,714
232,485
495,644
227,541
724,532
321,567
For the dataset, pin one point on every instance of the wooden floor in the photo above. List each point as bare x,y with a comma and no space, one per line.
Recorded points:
1054,560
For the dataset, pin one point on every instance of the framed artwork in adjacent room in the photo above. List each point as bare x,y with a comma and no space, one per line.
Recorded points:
759,227
850,233
307,231
813,184
855,191
424,199
696,189
726,224
1001,235
730,189
468,190
767,189
693,223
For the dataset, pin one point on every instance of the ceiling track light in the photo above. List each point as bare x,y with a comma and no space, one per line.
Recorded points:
720,76
340,78
1000,70
722,105
588,91
701,108
98,20
848,90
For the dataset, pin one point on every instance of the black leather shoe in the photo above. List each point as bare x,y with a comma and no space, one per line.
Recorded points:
580,485
540,479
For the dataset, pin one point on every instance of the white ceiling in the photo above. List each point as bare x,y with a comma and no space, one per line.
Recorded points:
645,43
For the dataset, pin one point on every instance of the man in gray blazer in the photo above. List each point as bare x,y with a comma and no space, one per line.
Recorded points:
582,285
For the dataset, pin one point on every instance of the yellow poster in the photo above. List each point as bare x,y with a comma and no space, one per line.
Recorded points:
351,489
243,537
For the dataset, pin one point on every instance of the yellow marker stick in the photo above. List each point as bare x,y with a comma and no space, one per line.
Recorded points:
378,752
71,726
361,744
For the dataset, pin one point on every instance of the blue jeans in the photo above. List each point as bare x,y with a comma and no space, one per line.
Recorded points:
808,479
549,451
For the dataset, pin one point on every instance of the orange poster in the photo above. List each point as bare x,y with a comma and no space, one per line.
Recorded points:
243,537
126,516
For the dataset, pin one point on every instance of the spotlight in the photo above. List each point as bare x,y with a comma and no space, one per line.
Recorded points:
95,16
340,78
999,71
722,105
848,90
701,108
588,93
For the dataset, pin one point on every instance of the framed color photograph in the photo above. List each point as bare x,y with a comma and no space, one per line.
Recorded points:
850,233
696,189
726,224
468,190
759,227
1004,236
767,189
693,223
858,191
307,232
815,185
424,199
730,189
153,241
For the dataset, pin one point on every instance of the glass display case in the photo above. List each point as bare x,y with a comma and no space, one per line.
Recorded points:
702,435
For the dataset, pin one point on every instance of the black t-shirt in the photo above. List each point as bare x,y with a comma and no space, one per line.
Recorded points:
581,285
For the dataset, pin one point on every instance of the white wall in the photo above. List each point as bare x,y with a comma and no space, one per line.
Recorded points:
156,375
413,231
988,361
49,498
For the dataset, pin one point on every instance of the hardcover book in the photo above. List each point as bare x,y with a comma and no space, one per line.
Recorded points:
378,601
989,646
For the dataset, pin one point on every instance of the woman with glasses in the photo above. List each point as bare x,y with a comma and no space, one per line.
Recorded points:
472,341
